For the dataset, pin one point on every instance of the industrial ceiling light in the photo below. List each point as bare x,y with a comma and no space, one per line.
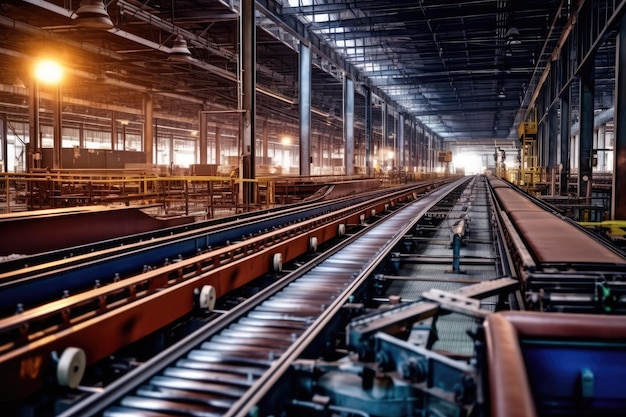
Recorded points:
512,36
180,51
501,93
49,72
92,15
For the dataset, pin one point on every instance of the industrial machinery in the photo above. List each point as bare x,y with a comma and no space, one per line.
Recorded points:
407,313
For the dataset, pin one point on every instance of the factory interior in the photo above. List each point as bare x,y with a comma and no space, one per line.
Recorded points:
312,208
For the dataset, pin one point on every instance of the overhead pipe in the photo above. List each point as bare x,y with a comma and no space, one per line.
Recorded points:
600,119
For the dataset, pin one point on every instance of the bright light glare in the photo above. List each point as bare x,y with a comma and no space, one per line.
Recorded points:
48,72
470,162
285,140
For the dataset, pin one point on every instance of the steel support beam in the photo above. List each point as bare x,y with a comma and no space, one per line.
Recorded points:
5,145
114,132
33,160
368,132
400,159
348,125
155,135
542,132
383,151
218,140
565,143
57,128
304,100
618,201
266,141
148,128
553,145
587,87
204,141
248,52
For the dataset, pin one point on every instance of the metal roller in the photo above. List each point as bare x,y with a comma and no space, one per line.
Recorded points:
207,297
71,367
277,262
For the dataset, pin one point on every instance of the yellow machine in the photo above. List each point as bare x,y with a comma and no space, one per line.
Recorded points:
529,167
613,229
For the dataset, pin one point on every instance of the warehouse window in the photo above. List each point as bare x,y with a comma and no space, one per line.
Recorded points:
97,139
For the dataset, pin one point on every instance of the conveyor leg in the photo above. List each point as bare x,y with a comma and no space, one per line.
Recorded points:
456,254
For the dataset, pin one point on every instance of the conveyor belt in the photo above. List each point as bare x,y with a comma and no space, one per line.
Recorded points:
220,229
551,238
50,281
134,307
273,217
48,232
562,266
555,241
225,368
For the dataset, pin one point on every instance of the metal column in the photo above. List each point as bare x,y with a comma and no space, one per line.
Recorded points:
382,150
368,132
5,143
266,141
400,159
304,107
218,150
81,136
600,148
348,125
553,140
419,131
113,132
618,201
541,148
33,161
413,145
587,87
248,52
430,162
204,141
171,145
148,126
565,65
565,141
57,129
155,157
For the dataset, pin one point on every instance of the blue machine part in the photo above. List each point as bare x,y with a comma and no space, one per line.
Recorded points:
49,287
576,378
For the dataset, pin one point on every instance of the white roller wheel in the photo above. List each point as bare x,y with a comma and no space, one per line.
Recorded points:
373,212
277,262
313,244
362,218
386,207
341,229
71,367
207,297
